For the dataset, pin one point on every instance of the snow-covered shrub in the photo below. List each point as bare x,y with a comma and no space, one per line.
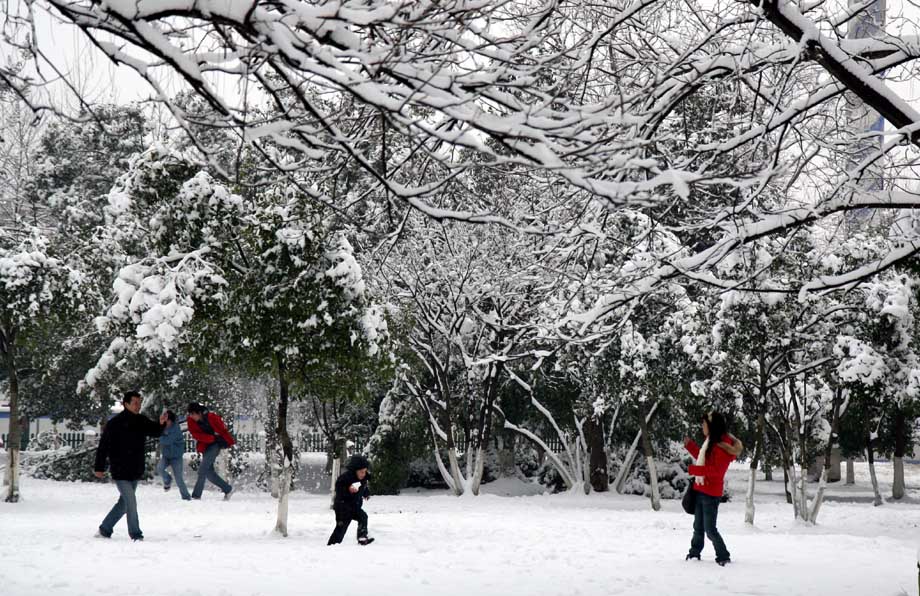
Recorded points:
672,476
549,476
424,473
71,465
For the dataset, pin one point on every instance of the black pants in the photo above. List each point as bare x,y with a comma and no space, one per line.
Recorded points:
343,518
704,522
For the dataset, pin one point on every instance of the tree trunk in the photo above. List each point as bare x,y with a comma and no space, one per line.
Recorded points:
506,454
787,463
455,474
335,470
851,471
871,459
828,456
752,473
650,459
273,456
478,467
287,448
767,472
900,447
14,439
791,490
600,481
620,480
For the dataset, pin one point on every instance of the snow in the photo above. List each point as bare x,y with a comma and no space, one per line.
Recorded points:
529,543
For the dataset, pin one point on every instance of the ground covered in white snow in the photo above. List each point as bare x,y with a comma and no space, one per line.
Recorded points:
432,543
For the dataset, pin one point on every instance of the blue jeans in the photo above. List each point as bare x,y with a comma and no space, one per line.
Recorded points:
704,521
206,472
127,503
176,465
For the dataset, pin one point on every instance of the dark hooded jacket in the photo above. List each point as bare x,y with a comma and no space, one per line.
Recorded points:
345,500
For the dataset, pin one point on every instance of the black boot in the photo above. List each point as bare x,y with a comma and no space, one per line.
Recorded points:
723,562
692,556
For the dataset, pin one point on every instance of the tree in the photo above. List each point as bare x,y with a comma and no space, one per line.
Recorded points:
566,90
40,288
258,282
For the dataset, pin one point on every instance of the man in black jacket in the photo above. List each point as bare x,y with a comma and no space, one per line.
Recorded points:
351,489
122,444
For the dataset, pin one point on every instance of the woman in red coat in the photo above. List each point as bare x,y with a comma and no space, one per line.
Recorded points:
212,435
708,478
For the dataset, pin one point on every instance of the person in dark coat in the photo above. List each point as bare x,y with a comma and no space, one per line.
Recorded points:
211,435
172,447
351,490
122,445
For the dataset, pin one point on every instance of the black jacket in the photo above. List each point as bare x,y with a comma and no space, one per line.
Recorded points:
122,444
346,500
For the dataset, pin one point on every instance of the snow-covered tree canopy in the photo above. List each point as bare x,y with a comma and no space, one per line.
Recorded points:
588,98
228,279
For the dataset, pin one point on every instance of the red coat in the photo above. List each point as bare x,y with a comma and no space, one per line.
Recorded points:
204,438
713,473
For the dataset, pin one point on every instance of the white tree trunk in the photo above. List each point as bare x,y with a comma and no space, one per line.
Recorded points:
653,481
803,493
627,464
284,490
478,467
851,472
749,497
455,474
819,497
336,470
792,489
878,495
897,487
564,470
631,454
445,474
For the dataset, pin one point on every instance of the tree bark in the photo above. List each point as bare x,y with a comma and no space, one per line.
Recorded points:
851,471
7,345
752,474
900,447
600,481
828,455
650,459
620,480
871,459
287,448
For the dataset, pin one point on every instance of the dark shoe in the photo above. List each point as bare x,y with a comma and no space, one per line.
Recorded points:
196,498
364,540
100,533
186,498
723,562
692,556
166,487
138,539
228,494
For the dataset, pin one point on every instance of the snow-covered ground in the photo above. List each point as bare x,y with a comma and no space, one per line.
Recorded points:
431,543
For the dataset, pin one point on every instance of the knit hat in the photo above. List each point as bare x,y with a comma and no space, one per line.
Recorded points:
357,462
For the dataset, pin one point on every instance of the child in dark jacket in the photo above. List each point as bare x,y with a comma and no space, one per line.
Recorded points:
351,489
